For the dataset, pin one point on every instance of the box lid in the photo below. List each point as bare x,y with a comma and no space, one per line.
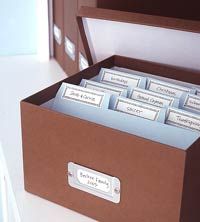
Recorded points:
158,39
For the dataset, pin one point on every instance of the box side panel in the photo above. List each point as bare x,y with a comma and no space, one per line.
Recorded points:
151,174
190,210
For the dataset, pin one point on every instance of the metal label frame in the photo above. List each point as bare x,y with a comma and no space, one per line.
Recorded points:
93,182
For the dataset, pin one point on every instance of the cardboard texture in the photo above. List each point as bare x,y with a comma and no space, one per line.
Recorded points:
158,183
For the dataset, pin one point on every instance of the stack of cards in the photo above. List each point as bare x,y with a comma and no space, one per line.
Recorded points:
135,104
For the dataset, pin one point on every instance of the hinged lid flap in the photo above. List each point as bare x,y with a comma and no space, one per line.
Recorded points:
152,38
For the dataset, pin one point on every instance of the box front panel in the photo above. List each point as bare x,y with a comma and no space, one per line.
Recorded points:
151,174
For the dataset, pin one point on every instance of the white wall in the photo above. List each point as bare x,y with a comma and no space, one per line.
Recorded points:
18,34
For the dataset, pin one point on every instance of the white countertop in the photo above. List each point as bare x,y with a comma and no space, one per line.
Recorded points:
20,77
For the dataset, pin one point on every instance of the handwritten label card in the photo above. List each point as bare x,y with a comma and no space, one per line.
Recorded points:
151,98
167,88
192,102
110,76
94,182
183,119
137,109
87,96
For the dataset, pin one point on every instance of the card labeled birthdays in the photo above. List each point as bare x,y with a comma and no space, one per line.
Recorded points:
152,98
168,89
184,119
112,90
121,79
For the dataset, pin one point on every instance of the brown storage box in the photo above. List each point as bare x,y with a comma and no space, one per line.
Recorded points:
159,183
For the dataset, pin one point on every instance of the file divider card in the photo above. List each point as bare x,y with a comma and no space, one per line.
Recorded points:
180,118
121,79
69,92
168,89
190,103
113,90
138,109
152,98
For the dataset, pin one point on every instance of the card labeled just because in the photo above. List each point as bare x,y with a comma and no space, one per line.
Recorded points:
113,90
168,89
138,109
180,118
121,79
153,98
